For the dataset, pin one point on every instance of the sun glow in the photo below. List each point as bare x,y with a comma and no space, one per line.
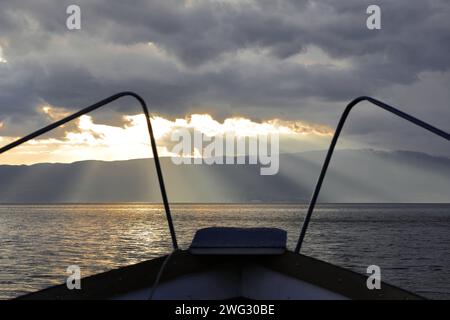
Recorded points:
2,58
87,140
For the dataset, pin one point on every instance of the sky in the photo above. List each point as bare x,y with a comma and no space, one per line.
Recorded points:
290,62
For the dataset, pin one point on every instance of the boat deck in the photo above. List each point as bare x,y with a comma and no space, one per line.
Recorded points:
188,276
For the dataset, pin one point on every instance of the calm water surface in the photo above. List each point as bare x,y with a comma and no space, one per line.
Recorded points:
411,243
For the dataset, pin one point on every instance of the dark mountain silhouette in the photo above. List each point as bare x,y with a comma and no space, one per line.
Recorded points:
354,176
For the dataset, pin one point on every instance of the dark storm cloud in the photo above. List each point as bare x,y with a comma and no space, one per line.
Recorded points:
415,33
224,56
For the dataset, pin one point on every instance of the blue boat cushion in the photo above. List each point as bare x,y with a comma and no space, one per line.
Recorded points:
237,241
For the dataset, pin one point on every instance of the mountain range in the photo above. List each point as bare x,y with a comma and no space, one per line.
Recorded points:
354,176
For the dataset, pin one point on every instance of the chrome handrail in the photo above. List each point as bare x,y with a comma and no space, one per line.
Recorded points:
339,127
152,142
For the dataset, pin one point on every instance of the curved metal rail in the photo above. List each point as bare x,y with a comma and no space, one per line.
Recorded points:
152,142
339,127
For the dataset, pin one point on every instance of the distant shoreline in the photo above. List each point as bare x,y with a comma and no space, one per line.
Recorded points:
223,203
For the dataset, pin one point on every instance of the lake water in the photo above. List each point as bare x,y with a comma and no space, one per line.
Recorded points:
410,243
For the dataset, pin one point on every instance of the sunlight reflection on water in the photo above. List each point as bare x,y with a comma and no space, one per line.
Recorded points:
38,242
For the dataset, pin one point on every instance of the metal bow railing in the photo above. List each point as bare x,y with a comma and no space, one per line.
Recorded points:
152,142
339,127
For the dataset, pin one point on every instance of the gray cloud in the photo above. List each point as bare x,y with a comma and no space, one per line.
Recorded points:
224,57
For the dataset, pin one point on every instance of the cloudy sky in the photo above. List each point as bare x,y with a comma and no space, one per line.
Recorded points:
294,62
